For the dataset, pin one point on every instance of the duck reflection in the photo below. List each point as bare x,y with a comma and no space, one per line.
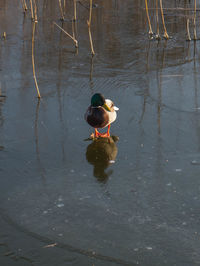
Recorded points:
101,153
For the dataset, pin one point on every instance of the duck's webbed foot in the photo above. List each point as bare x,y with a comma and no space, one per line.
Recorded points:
97,134
104,135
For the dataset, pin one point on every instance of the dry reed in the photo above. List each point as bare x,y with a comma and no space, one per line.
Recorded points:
33,60
194,20
73,29
4,35
166,36
61,11
24,5
35,12
148,18
89,29
157,22
75,10
69,35
188,30
32,14
91,68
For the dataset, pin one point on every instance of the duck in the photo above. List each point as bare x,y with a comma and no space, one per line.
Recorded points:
100,114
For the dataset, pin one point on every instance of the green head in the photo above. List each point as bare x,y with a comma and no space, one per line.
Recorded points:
99,100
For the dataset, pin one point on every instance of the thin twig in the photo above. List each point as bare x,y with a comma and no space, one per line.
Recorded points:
76,42
166,36
89,30
33,61
50,245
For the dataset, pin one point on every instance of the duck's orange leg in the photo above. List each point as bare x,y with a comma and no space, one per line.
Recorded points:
102,135
108,131
97,134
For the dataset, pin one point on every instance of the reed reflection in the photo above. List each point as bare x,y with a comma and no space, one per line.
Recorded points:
101,153
2,101
2,119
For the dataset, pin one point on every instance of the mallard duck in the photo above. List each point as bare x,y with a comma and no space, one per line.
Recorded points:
100,114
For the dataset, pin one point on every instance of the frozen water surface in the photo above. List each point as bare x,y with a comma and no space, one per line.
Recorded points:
67,201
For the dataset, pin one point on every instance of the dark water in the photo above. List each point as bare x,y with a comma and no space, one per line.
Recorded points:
129,202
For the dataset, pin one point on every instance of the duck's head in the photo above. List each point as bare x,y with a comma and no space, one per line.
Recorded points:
99,100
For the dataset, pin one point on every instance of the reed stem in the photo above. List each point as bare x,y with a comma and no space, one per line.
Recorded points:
188,29
73,29
35,12
24,5
148,18
61,11
33,61
74,10
194,21
166,36
64,6
157,22
32,15
4,35
89,29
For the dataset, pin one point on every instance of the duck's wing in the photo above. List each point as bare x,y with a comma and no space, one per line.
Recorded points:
97,117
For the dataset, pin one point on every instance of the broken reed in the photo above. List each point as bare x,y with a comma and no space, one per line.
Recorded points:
69,35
